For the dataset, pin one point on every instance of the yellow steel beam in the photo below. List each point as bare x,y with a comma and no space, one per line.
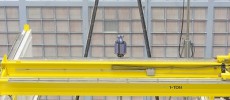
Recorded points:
113,89
51,77
119,68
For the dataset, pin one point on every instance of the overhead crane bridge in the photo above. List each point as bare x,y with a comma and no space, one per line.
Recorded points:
111,77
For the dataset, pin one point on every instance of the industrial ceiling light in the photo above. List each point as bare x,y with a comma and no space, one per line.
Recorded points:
120,46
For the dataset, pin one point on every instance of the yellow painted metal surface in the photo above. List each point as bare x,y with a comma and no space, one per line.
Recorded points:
211,98
111,68
34,77
224,58
26,27
114,89
14,97
225,76
105,69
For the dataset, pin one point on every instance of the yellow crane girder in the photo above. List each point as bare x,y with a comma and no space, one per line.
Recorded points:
116,77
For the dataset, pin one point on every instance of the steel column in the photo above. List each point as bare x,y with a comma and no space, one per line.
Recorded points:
22,14
209,30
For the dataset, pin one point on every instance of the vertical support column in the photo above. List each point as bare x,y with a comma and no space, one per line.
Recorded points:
85,22
187,39
22,14
209,29
148,25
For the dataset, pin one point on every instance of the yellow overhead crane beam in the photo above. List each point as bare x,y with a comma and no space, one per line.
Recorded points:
116,77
